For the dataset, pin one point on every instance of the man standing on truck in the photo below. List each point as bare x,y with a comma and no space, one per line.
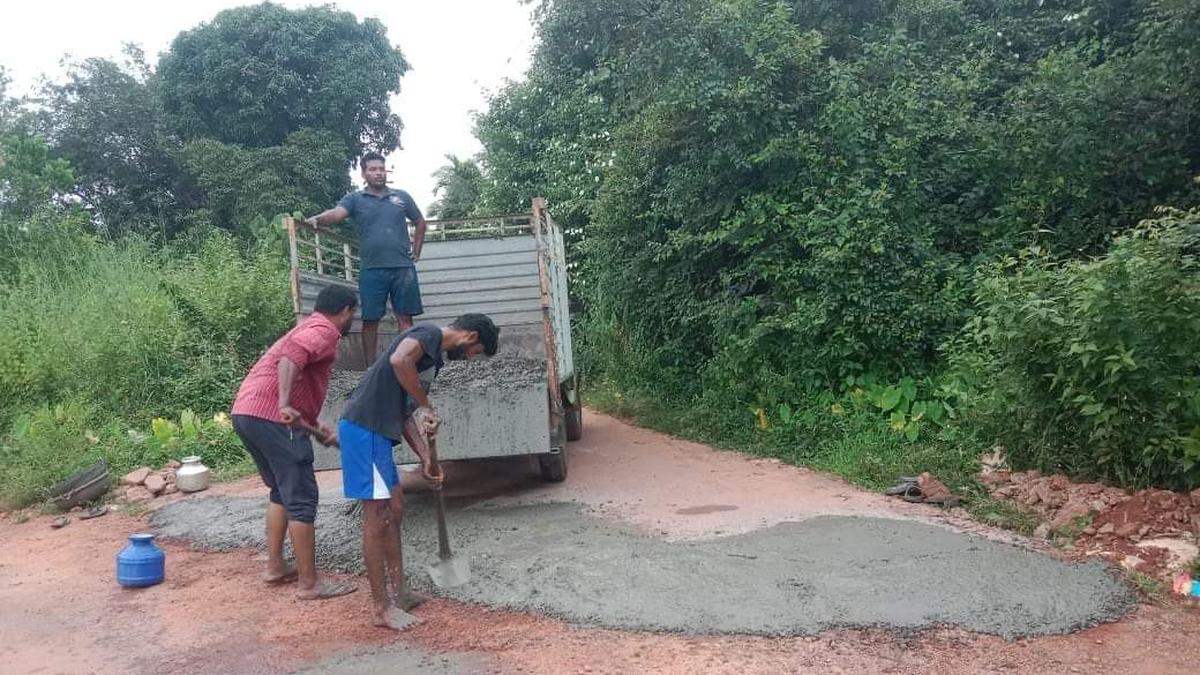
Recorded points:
387,261
275,408
391,402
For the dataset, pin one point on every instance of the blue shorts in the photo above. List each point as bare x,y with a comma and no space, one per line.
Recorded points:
368,468
377,284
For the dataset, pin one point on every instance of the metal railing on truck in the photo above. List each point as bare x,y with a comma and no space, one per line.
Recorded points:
521,285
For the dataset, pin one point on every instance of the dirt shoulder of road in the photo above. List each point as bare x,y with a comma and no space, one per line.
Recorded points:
64,612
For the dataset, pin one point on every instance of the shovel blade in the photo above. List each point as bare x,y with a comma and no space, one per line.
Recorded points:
450,572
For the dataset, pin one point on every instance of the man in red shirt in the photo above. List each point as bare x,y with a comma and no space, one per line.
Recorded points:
283,394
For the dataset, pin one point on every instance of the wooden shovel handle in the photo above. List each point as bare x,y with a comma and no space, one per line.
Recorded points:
312,429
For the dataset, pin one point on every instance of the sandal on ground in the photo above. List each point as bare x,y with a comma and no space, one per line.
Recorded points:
94,512
913,494
324,590
901,487
284,577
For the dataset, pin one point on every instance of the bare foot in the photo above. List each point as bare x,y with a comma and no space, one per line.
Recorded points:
279,576
325,589
410,600
395,618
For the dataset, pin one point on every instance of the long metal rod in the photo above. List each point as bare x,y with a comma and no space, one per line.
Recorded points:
317,252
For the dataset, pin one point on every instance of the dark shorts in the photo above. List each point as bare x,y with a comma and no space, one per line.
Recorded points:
284,457
377,284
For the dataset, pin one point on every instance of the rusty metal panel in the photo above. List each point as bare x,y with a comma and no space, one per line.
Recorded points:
555,261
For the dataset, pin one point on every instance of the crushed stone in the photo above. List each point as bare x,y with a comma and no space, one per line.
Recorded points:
500,371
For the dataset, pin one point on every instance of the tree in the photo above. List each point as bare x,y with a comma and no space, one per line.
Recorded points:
254,75
31,178
460,184
10,107
777,194
105,119
305,173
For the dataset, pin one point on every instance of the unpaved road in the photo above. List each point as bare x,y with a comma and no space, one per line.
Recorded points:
61,611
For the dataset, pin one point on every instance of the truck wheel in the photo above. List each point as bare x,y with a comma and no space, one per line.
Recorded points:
574,423
553,466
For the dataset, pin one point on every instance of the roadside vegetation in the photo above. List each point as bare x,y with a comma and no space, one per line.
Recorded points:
125,351
141,267
879,238
873,238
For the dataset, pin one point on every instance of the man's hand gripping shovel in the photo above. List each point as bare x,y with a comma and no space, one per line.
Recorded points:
450,570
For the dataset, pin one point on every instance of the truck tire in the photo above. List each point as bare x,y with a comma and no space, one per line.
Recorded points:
574,423
553,466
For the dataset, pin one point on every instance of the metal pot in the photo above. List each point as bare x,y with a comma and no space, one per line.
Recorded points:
192,476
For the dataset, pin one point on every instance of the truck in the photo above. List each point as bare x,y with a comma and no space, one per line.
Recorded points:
512,268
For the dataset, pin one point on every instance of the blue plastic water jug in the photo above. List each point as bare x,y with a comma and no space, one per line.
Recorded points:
141,563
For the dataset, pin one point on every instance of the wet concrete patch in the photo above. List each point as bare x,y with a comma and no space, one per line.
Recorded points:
793,578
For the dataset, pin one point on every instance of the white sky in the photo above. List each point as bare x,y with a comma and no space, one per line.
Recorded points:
458,51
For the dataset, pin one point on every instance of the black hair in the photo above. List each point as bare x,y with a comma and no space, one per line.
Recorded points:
489,332
334,298
370,157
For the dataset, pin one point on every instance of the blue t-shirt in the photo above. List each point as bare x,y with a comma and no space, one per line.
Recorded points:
382,226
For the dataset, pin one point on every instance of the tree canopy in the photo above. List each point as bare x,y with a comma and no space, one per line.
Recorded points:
458,187
254,75
818,180
260,111
106,120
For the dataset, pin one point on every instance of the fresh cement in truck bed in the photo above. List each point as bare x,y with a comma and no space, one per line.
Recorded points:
499,372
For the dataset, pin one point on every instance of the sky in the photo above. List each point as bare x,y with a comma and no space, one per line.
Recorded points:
458,50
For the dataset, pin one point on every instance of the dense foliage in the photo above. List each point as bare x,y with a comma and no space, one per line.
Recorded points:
1091,366
105,337
106,120
458,187
255,75
258,112
773,197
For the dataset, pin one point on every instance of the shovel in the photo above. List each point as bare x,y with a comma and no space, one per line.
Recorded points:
312,429
353,507
450,570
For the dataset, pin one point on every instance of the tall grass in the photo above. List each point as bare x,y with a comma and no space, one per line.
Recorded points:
101,338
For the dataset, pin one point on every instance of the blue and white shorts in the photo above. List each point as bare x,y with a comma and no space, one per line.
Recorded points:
368,467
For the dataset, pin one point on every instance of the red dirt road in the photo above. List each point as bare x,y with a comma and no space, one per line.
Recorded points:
61,610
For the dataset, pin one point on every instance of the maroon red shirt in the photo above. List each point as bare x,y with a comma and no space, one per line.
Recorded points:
312,346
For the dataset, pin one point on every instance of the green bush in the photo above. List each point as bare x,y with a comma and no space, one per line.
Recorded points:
106,337
781,194
1091,367
45,446
51,442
